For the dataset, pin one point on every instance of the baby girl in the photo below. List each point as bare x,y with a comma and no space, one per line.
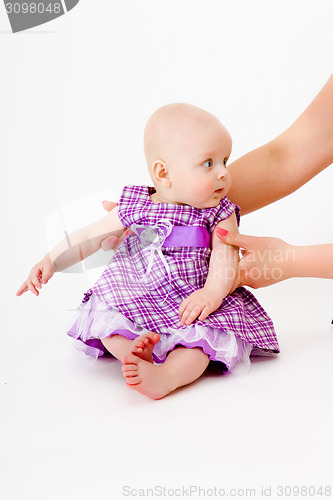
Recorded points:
162,305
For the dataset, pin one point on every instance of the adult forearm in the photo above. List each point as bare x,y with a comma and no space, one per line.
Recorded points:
255,180
281,166
312,261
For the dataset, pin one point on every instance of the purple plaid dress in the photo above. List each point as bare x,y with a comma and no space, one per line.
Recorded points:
146,280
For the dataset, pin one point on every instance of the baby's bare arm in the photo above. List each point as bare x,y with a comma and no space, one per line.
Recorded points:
76,247
85,241
223,264
223,267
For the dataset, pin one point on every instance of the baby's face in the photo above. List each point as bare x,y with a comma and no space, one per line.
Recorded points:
196,160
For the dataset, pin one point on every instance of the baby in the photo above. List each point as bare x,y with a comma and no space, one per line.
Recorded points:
162,305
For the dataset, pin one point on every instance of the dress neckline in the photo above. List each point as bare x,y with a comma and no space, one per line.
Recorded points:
151,190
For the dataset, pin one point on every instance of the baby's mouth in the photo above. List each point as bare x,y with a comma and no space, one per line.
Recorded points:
218,191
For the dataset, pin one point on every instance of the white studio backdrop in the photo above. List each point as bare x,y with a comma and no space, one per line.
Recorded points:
74,98
75,95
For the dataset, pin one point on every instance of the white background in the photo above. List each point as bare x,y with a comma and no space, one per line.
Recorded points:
74,97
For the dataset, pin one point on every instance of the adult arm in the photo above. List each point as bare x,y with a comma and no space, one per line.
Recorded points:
269,260
290,160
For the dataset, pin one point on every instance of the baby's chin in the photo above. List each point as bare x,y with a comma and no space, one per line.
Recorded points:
210,204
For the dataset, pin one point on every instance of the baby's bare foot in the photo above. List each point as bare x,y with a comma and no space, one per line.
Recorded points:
146,378
143,346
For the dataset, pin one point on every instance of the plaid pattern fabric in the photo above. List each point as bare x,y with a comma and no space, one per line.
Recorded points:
153,301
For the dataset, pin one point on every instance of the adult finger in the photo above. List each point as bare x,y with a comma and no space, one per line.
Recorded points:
109,205
110,243
236,239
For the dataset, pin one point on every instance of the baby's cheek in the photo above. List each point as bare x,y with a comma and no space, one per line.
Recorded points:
202,183
227,180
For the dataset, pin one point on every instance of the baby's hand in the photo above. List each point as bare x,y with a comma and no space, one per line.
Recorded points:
201,302
39,274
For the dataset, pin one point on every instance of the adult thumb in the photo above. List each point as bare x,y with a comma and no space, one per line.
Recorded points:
109,205
235,239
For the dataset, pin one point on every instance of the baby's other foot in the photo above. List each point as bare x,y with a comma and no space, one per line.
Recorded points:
146,378
143,346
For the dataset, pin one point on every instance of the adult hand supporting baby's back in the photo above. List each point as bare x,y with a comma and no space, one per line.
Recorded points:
112,243
265,260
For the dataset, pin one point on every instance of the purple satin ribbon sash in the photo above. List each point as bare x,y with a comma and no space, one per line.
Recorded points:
186,236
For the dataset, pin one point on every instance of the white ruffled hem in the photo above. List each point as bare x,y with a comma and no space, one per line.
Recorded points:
96,321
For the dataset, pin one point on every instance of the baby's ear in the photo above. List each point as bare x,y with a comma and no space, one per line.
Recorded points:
160,173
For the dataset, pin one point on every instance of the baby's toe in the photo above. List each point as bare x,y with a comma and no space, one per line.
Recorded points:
133,381
129,367
130,359
134,387
130,373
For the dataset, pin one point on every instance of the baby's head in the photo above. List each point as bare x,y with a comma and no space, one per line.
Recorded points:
187,149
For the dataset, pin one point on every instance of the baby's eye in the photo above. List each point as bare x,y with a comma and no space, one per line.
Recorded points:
208,163
225,161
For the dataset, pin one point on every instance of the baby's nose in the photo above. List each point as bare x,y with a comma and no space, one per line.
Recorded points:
221,172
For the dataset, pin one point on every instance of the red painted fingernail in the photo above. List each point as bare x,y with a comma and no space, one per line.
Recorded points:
221,231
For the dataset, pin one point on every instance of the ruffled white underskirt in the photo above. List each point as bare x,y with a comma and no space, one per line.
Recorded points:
96,320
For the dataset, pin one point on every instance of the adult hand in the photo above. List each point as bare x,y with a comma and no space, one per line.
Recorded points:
112,243
265,260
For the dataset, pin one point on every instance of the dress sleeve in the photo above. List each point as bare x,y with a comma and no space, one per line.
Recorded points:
131,204
224,210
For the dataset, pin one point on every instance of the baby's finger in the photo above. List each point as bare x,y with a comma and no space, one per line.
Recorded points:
192,306
194,314
32,288
183,306
35,280
23,288
205,312
186,313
